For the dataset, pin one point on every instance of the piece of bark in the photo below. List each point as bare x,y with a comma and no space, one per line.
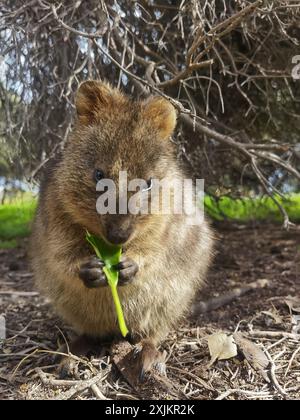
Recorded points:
253,354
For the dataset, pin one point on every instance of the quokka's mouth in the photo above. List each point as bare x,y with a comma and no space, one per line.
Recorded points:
117,236
117,241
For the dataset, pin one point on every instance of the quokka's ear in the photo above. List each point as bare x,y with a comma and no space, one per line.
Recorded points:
162,115
92,99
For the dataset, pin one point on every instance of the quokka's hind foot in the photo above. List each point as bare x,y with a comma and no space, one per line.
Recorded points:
81,347
148,358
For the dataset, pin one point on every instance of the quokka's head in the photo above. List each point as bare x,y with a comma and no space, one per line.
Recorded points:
114,133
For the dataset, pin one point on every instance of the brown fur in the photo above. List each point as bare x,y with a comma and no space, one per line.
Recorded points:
114,133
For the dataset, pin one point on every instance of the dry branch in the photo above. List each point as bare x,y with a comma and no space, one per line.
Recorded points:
80,387
215,303
220,65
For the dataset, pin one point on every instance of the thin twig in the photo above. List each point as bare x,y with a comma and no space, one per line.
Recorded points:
215,303
81,387
273,378
257,394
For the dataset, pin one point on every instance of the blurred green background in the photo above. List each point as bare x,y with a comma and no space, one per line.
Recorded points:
16,214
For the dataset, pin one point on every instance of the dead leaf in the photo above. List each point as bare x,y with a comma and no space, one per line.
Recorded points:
221,347
253,354
293,304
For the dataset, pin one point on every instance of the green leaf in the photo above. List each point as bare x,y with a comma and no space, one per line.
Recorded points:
110,255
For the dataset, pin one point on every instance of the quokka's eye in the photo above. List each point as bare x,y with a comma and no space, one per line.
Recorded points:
149,185
98,175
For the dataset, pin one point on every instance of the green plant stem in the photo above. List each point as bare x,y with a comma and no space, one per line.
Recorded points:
119,311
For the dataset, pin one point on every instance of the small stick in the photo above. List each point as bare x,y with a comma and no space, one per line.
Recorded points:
20,294
19,354
291,361
191,375
98,394
19,333
277,343
54,382
273,378
242,392
79,388
61,383
215,303
273,334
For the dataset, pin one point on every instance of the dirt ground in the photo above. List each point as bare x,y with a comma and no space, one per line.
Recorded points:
268,317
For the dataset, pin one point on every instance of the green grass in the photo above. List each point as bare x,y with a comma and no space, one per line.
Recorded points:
16,217
246,209
15,220
13,243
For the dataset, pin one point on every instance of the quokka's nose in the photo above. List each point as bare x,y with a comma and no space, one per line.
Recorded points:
118,236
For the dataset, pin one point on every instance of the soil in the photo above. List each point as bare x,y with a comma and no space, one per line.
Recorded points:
267,317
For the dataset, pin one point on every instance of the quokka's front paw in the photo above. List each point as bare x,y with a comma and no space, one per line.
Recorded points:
92,274
127,270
